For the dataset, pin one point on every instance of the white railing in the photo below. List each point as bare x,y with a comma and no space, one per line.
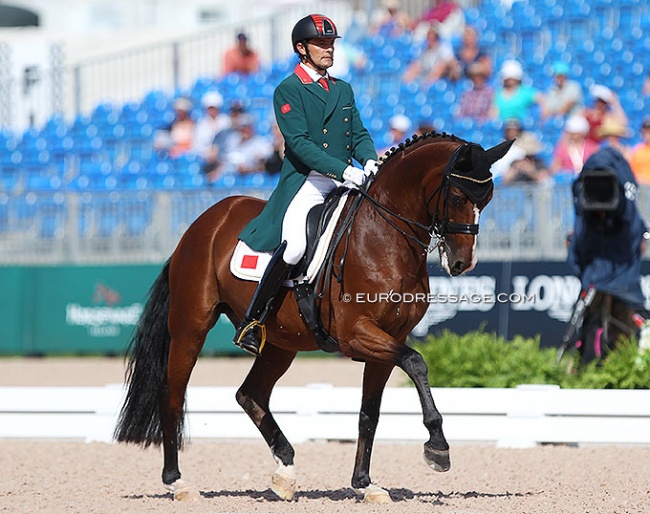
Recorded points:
519,417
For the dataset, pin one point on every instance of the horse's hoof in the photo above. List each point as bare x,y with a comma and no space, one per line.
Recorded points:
438,460
374,494
283,482
183,491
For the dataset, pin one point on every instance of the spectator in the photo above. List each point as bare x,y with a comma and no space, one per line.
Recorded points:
573,148
213,122
469,53
605,107
177,138
241,58
250,151
476,103
640,155
399,128
224,141
512,131
390,20
435,62
529,168
611,133
447,16
514,100
564,98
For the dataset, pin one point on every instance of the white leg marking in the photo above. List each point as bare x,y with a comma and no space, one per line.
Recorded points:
183,491
283,481
374,494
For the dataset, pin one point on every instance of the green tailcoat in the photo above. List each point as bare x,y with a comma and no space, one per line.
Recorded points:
322,131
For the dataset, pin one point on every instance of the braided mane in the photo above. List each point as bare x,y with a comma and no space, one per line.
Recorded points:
415,138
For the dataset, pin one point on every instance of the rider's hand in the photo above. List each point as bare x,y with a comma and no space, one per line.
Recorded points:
370,167
355,175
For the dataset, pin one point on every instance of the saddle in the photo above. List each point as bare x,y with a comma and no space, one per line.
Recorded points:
250,265
317,221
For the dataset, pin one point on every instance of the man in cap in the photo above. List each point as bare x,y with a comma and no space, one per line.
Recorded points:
606,106
177,138
514,99
323,133
475,103
399,128
573,148
564,97
241,58
212,122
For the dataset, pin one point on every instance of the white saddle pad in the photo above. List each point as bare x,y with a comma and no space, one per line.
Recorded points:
248,264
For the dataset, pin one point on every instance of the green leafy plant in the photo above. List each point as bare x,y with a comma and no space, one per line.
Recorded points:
480,359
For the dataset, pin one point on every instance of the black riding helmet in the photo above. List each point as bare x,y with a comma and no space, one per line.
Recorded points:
311,27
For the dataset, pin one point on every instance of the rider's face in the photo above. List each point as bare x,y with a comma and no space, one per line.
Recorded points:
321,51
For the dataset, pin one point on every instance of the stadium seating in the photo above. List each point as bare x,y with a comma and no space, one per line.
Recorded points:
605,41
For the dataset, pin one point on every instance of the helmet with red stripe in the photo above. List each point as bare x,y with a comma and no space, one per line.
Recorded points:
311,27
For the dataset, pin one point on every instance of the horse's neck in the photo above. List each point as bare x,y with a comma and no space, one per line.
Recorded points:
404,189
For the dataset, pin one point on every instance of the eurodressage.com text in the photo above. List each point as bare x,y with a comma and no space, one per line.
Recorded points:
438,298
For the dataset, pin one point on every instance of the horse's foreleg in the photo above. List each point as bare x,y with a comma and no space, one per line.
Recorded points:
436,449
182,358
375,376
253,396
370,343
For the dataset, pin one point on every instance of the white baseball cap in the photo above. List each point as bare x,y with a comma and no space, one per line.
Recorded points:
212,99
602,92
577,124
511,69
400,122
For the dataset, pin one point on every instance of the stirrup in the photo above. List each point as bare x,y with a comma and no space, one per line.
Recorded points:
246,329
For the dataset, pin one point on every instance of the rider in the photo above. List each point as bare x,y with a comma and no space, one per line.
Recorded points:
323,133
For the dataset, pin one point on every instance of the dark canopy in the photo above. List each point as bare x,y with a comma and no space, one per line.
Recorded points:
17,17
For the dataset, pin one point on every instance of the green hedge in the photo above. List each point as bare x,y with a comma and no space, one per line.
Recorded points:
479,359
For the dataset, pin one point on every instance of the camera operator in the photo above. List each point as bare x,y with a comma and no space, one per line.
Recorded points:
605,250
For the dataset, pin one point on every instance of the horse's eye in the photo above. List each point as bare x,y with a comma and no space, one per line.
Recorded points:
459,200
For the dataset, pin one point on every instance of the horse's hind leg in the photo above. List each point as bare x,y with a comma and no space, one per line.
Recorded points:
253,396
183,354
375,376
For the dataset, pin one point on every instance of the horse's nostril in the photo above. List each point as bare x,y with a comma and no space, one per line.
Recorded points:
459,267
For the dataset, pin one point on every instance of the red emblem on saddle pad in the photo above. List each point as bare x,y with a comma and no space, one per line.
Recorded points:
249,262
285,108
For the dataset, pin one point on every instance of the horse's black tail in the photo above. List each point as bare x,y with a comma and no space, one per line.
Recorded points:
140,421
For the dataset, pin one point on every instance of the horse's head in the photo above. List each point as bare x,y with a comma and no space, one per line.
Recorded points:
466,188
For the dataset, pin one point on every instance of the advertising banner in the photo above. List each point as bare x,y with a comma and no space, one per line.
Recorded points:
77,310
508,298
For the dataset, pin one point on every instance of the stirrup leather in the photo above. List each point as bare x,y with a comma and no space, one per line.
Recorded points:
251,325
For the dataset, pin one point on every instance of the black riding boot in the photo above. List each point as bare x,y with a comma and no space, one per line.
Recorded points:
251,333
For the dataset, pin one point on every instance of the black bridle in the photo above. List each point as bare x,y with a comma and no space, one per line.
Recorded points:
439,227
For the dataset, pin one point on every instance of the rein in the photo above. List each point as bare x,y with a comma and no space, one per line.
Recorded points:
438,228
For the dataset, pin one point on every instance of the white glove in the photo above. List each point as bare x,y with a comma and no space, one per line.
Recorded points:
370,167
355,175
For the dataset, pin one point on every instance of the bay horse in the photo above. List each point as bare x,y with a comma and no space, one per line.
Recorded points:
427,187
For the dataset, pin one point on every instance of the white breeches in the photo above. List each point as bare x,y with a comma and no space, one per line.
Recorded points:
312,192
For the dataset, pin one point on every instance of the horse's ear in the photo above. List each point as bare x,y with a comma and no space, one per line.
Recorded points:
497,152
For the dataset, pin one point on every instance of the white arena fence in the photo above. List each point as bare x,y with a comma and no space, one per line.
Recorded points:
521,417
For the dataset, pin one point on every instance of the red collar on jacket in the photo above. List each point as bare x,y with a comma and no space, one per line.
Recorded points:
304,76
